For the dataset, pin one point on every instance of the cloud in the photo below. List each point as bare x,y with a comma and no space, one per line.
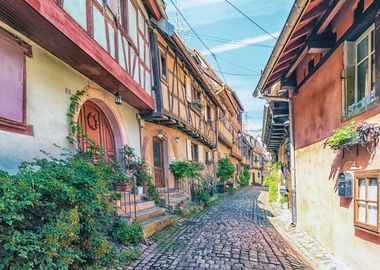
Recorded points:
229,46
190,4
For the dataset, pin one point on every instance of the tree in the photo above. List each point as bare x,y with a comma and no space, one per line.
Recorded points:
226,169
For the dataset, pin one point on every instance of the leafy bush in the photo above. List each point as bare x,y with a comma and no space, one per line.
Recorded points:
271,181
226,169
58,214
244,178
127,233
183,169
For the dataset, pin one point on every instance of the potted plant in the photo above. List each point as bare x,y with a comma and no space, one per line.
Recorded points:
181,205
226,170
342,137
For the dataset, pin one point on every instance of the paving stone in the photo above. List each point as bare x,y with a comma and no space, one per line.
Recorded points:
234,234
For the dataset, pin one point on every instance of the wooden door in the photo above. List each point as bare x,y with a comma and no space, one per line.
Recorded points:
97,127
158,159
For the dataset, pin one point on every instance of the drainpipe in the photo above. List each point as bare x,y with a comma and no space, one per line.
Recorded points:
292,164
215,151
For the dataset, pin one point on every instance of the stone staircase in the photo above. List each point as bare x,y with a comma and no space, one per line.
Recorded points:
152,218
175,197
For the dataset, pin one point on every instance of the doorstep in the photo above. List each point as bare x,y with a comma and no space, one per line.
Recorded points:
308,247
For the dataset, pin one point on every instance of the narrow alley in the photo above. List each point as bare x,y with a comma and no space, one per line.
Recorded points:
234,234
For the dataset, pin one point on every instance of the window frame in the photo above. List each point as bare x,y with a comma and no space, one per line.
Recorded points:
194,152
163,71
8,124
366,33
360,175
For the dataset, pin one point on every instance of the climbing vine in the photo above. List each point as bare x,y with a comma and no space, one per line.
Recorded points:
74,127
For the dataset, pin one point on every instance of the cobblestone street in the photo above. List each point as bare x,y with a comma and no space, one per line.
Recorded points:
234,234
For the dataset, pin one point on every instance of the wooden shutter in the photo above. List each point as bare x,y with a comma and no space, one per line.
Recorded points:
188,144
349,74
377,53
200,153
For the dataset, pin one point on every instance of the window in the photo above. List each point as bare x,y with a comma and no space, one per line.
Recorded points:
12,86
194,152
164,71
209,117
207,157
121,29
360,73
367,200
196,95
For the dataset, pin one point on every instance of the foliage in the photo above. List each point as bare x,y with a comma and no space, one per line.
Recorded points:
153,193
244,178
368,133
226,169
271,181
341,136
184,169
197,104
205,189
127,233
284,198
209,122
56,214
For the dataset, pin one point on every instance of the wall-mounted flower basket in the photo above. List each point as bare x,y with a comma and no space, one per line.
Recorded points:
197,104
354,134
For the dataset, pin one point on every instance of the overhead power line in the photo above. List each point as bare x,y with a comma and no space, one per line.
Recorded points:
201,40
246,16
237,65
239,74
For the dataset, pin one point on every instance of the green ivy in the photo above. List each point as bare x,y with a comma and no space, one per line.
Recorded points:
271,181
341,136
184,169
244,178
127,233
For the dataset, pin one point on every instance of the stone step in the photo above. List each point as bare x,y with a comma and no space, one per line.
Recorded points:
156,224
129,208
149,213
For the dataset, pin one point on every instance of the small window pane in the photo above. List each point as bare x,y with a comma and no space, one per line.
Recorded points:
157,154
121,52
372,214
362,49
148,84
142,79
99,28
141,23
362,79
142,48
132,22
147,56
372,189
373,39
126,49
77,10
111,35
373,72
361,189
361,212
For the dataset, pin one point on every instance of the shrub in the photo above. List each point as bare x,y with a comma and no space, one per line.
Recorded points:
244,178
127,233
271,181
58,214
226,169
183,169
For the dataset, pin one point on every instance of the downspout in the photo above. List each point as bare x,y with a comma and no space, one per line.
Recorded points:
214,152
292,164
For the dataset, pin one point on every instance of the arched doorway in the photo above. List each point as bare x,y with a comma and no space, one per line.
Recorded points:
97,127
159,162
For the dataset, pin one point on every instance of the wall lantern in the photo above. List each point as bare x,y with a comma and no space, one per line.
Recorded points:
118,98
160,134
176,139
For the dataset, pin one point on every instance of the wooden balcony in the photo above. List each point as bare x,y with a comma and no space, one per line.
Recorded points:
224,134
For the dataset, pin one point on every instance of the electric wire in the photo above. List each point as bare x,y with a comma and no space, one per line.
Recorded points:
246,16
200,39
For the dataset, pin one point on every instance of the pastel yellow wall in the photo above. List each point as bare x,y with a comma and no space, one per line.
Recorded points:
47,107
317,200
176,150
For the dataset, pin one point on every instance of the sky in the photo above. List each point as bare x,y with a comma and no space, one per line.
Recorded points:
242,49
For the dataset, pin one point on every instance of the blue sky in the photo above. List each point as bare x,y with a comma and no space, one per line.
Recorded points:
218,23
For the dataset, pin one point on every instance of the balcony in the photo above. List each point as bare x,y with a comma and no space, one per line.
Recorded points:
76,44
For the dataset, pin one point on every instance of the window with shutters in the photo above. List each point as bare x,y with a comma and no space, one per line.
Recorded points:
12,83
367,200
359,60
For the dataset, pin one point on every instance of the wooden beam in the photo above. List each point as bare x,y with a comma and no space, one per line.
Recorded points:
333,10
297,62
316,11
321,43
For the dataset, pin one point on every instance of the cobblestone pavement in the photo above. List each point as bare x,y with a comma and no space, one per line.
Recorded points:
234,234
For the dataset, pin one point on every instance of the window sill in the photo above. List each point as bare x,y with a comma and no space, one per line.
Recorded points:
15,127
367,228
361,110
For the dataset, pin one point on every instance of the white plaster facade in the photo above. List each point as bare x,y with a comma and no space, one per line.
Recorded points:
47,79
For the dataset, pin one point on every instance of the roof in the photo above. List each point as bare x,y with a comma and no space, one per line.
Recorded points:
306,18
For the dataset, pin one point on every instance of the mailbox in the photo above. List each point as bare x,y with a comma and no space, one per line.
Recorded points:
345,185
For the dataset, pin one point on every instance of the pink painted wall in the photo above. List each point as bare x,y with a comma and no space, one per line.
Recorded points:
12,81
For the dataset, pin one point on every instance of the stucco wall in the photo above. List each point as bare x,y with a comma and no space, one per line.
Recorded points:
317,199
47,107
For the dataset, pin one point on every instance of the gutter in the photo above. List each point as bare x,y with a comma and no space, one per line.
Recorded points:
293,18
